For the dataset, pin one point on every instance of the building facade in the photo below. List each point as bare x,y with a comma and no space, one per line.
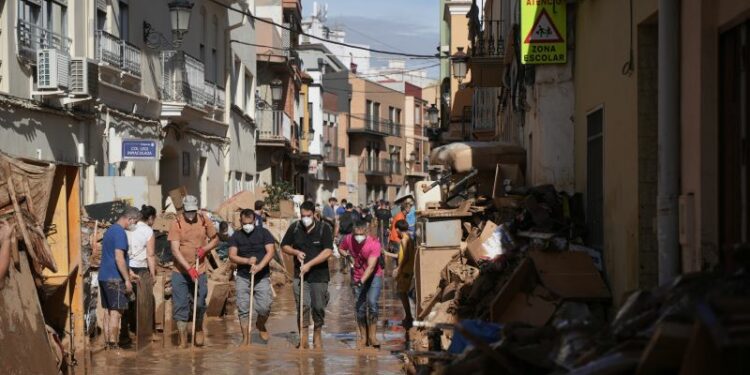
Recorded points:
83,90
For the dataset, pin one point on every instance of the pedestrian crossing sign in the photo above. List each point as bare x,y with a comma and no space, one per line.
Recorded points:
543,32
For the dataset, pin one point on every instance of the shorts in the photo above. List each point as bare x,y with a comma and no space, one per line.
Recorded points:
112,294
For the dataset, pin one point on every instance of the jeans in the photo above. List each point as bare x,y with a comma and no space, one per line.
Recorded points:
316,298
262,294
182,297
366,299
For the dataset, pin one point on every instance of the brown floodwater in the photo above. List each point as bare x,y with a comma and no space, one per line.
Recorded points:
223,355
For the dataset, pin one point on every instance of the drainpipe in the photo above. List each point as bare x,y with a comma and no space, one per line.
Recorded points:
669,140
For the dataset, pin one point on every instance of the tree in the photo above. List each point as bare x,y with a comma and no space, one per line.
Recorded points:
276,192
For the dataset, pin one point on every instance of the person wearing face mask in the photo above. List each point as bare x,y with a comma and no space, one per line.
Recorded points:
246,247
115,279
311,242
404,272
191,236
367,280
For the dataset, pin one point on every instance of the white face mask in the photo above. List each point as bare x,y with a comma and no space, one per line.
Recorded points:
360,238
248,228
307,221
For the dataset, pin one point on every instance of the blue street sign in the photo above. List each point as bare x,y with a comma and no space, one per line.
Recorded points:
139,149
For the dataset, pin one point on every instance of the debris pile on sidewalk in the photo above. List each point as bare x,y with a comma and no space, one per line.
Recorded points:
532,282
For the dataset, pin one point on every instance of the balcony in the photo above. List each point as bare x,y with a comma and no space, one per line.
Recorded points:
395,129
274,128
489,123
335,158
118,53
32,38
377,167
490,41
371,126
213,96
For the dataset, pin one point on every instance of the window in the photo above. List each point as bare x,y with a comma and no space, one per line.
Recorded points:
248,92
101,19
418,115
124,21
392,114
202,53
215,66
368,113
376,113
29,11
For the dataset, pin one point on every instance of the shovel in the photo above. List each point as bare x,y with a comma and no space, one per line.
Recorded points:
301,302
250,312
195,297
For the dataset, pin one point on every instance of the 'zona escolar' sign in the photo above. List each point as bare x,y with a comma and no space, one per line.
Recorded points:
543,32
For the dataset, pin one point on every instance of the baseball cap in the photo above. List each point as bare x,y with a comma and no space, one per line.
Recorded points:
190,203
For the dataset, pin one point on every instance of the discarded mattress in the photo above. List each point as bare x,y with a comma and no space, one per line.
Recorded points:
462,157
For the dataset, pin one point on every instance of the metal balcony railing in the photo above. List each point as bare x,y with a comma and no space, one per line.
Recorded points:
183,79
274,126
394,129
375,166
118,53
490,42
213,96
336,157
32,38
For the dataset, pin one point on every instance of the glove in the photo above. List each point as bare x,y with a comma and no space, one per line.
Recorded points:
202,253
193,273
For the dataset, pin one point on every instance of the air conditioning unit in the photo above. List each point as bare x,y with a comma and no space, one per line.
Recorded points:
52,69
84,77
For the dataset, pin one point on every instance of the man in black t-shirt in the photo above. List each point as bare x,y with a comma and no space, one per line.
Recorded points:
252,248
383,213
312,242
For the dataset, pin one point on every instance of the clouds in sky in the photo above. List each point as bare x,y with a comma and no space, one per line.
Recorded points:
396,25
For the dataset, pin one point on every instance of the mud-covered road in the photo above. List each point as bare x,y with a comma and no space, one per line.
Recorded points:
222,353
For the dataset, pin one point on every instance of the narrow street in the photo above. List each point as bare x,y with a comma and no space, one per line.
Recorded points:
222,353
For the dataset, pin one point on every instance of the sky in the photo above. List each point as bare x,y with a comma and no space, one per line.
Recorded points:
396,25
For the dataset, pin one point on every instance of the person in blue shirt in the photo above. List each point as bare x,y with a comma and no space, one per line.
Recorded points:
115,279
342,208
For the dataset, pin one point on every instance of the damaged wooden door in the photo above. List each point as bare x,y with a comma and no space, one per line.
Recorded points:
144,311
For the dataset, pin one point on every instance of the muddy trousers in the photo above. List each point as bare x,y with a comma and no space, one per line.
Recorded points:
315,298
366,299
262,294
182,297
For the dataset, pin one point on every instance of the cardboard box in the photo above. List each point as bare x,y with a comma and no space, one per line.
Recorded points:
570,274
176,196
478,244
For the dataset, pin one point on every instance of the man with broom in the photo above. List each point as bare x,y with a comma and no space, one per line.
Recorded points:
246,246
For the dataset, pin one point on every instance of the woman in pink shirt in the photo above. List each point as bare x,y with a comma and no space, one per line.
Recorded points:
367,280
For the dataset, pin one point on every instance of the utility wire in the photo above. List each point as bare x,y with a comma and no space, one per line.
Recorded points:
250,15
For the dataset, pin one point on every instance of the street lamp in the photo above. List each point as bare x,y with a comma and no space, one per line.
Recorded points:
433,116
459,61
179,17
277,90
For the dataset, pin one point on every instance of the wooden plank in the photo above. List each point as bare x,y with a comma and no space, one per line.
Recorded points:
529,308
520,277
428,264
570,274
158,291
23,338
217,296
144,311
170,339
77,296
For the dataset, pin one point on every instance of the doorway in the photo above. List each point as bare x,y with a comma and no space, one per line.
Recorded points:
595,178
734,155
169,171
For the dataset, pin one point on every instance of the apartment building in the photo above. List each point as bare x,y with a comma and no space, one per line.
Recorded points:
325,150
123,96
375,129
279,108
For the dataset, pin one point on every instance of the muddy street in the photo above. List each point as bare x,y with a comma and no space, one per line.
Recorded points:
223,353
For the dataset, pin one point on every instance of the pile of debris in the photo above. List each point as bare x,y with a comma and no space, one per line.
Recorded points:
526,296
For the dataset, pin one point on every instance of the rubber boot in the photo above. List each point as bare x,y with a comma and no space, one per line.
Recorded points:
243,328
317,338
362,338
303,337
199,338
182,334
260,324
372,329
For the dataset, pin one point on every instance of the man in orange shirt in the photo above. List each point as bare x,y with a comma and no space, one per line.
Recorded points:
394,239
191,236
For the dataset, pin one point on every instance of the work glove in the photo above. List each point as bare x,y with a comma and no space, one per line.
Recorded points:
202,253
193,273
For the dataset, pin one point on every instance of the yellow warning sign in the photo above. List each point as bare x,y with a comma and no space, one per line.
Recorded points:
543,32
